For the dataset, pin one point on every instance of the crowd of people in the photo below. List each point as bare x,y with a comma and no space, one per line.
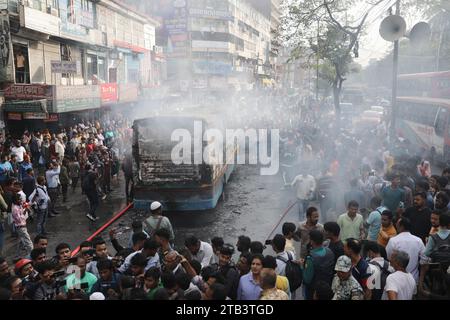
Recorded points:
385,231
40,171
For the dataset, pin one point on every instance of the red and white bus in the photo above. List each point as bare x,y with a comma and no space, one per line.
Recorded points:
425,123
428,84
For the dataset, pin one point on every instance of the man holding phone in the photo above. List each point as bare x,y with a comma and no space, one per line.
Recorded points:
80,280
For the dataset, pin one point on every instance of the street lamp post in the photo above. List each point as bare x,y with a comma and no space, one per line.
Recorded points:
395,80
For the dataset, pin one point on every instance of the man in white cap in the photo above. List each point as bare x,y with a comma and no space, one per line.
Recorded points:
345,286
157,221
97,296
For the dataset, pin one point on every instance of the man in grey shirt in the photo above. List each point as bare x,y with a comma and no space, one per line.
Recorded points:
157,221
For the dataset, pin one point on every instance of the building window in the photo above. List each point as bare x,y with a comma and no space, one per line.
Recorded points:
21,63
96,69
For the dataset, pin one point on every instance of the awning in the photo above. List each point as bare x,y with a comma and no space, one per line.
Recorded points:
39,106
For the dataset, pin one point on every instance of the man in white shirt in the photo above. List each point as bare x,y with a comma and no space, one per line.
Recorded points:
19,151
401,284
52,177
410,244
306,186
60,149
201,251
150,251
40,199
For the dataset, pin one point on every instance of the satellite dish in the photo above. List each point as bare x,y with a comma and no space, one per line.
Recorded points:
420,33
393,28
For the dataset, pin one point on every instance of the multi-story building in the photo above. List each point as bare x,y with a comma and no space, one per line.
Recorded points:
212,44
65,59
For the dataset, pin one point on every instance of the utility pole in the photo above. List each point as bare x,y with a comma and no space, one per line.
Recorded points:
395,80
317,67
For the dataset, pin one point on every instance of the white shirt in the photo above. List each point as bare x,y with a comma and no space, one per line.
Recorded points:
306,185
23,196
19,152
42,197
402,283
151,262
59,149
204,255
413,246
281,265
52,177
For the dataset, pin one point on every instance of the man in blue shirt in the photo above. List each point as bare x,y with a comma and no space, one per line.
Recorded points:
108,278
373,222
250,284
5,169
393,194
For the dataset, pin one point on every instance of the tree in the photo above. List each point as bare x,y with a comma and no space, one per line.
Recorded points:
337,46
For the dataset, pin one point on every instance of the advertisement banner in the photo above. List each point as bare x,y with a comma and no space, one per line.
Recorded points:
109,92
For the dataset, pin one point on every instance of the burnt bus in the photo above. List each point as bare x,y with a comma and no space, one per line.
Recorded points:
190,186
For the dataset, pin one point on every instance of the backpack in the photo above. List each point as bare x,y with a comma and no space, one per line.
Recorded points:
150,230
293,272
377,293
441,251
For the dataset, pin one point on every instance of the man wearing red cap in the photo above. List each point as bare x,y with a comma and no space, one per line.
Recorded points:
24,268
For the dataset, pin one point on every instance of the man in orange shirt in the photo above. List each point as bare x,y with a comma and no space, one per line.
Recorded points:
387,228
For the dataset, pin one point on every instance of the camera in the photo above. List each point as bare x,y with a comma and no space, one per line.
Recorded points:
59,274
268,242
73,260
60,283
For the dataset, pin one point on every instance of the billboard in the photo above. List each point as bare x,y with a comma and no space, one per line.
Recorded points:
109,92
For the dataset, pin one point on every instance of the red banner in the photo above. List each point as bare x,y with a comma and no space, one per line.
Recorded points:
14,116
109,92
53,117
127,45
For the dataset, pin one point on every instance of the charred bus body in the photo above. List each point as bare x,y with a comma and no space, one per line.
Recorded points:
179,187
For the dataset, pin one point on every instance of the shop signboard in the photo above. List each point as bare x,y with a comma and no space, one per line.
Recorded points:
29,92
52,117
69,67
211,13
212,67
109,92
14,116
35,116
77,98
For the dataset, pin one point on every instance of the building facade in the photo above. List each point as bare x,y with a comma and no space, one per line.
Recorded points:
64,59
212,45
